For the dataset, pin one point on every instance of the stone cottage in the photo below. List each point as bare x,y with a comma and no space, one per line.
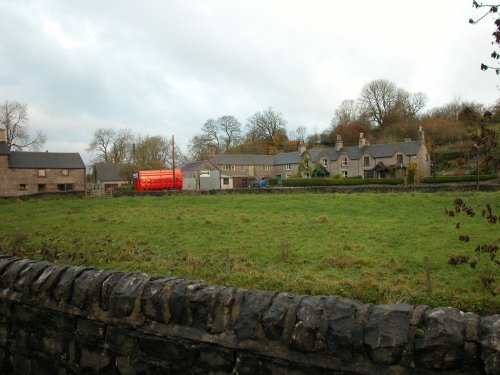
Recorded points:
23,173
363,160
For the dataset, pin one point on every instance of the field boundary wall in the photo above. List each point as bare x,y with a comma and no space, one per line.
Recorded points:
58,319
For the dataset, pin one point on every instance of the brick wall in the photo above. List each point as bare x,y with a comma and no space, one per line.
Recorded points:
64,319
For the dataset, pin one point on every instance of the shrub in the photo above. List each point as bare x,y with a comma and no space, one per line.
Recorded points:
295,182
469,178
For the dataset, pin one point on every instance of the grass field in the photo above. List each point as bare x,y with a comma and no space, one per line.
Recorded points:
365,246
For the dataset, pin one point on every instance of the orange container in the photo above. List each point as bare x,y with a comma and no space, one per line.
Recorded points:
161,179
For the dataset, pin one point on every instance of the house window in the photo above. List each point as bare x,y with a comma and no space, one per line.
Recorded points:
344,174
42,188
307,163
399,158
366,161
41,173
344,162
287,176
65,172
265,167
325,162
64,187
369,174
288,167
22,187
228,167
225,181
242,167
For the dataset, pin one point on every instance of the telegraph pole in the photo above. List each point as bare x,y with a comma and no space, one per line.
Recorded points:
173,160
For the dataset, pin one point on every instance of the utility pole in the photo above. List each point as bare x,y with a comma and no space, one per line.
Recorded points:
173,160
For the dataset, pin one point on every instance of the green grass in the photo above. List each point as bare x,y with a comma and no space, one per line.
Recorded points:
365,246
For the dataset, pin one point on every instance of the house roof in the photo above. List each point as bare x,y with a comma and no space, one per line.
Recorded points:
243,159
109,172
199,166
287,158
4,149
381,151
20,159
294,157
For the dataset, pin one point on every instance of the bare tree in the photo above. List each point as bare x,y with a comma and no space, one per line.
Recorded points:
112,145
301,133
199,148
347,113
13,117
413,103
121,146
383,103
211,133
101,144
379,100
152,152
230,128
155,152
267,125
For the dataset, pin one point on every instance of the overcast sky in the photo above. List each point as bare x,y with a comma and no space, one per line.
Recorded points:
163,67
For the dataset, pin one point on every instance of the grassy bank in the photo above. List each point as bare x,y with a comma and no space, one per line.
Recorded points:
365,246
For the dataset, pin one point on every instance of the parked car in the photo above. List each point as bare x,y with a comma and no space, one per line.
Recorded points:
260,183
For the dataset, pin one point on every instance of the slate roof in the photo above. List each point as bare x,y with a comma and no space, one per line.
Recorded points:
284,158
199,166
294,157
20,159
4,150
109,172
243,159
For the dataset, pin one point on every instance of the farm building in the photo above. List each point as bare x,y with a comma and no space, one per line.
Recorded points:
23,173
109,176
203,176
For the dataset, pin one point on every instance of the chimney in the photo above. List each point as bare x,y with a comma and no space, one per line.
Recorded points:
213,152
421,135
362,140
338,143
302,147
2,135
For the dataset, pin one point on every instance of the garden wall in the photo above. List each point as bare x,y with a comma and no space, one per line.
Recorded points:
66,319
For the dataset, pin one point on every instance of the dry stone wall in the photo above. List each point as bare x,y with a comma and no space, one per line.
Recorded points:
57,319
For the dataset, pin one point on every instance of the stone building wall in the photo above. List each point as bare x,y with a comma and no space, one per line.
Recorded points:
66,320
11,180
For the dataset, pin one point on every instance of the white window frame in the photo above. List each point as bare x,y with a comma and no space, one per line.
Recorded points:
265,167
42,173
343,174
65,172
325,162
343,161
288,167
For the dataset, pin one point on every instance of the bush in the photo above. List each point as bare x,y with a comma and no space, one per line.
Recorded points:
295,182
467,178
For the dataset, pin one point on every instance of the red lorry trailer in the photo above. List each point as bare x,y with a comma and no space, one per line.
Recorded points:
160,179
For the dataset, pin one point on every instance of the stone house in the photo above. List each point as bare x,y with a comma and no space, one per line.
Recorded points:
23,173
245,168
363,160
